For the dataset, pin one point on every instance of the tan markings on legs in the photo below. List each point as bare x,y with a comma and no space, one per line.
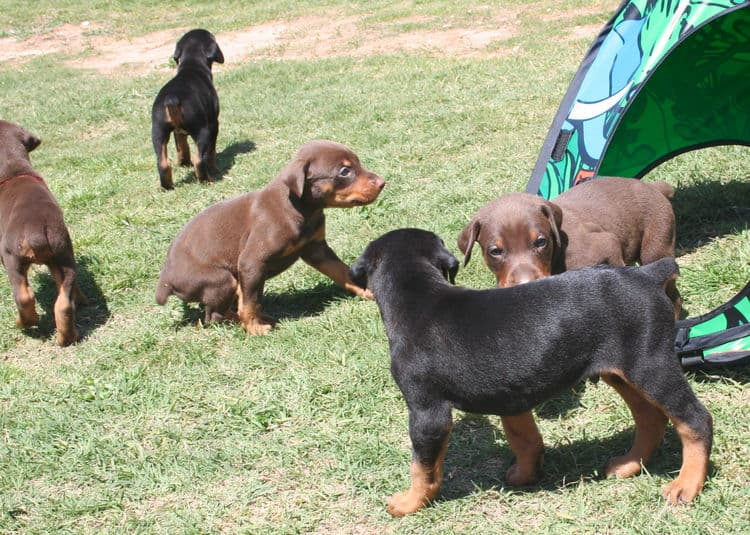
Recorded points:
165,167
78,295
694,469
425,485
25,302
526,442
650,423
337,271
674,295
183,149
253,321
198,169
65,308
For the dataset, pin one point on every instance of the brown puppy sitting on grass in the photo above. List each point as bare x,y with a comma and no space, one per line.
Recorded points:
613,221
32,231
227,251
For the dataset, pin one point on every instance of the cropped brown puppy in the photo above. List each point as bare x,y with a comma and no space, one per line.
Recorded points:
188,105
32,231
614,221
226,252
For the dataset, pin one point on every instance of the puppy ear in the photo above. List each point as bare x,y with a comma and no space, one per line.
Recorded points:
294,176
30,141
466,239
214,53
177,52
358,272
554,215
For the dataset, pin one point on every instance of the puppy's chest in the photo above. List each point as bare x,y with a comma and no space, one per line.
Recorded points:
310,231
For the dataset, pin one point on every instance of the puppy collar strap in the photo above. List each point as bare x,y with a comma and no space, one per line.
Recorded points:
24,175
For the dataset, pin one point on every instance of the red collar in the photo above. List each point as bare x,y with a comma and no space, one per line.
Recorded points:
24,175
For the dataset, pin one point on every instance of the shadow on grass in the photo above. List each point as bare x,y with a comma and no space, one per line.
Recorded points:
224,160
88,317
722,374
710,210
284,306
479,456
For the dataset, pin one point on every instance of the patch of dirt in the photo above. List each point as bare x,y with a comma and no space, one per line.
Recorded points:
302,38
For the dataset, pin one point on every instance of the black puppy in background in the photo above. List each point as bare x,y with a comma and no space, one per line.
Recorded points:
188,105
505,350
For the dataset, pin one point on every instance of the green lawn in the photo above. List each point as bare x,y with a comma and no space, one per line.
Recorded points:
152,424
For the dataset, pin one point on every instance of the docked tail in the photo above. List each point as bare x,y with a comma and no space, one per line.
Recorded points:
664,188
663,270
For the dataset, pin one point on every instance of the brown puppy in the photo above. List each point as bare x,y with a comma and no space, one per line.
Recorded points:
32,231
229,249
614,221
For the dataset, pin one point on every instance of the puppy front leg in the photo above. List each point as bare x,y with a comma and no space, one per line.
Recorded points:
526,442
249,294
430,430
322,258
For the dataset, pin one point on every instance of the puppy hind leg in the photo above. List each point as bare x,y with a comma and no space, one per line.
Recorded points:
650,424
160,139
183,148
430,433
23,295
694,426
65,308
205,140
526,442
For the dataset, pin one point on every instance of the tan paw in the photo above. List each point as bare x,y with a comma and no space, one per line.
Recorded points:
622,467
518,476
681,491
405,503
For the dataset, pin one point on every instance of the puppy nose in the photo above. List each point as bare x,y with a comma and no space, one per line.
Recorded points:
379,182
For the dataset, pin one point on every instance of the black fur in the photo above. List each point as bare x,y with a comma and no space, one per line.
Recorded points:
503,351
193,98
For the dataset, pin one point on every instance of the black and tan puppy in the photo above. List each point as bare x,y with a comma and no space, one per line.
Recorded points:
188,105
609,220
32,231
504,350
226,252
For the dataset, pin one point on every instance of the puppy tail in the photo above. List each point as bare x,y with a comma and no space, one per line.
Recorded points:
664,188
163,291
663,270
173,110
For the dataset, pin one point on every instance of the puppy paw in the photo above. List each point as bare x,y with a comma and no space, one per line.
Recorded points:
64,339
405,503
622,467
27,320
367,294
519,476
258,328
681,490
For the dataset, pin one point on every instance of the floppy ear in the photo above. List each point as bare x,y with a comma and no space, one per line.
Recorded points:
466,239
214,53
29,140
554,215
448,264
294,176
358,272
177,52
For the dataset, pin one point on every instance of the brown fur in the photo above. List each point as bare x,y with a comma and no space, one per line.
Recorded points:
614,221
226,252
32,231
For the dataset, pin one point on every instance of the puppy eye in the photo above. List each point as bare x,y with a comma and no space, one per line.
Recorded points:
495,251
540,242
345,171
